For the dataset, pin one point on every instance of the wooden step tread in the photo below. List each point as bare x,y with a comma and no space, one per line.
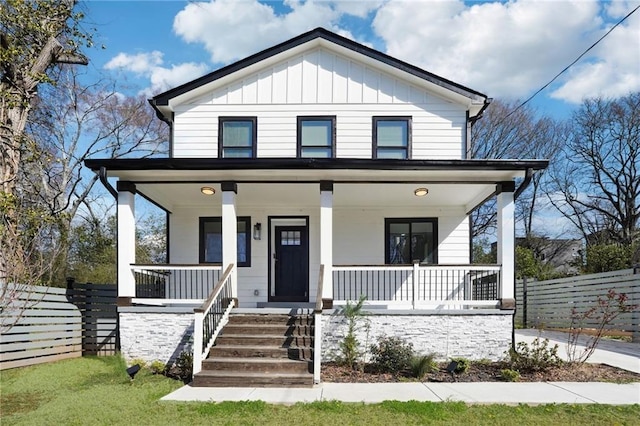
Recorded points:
252,374
267,347
269,336
255,360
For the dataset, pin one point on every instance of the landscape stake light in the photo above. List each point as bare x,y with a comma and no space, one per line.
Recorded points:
133,370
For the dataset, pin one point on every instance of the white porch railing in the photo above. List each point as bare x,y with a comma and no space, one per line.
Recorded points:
175,282
419,286
211,317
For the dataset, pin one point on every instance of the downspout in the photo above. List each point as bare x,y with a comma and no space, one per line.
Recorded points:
105,182
525,183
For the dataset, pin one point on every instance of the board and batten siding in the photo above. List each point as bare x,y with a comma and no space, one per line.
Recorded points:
320,82
358,239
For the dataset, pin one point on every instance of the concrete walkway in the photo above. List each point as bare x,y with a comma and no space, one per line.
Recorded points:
618,354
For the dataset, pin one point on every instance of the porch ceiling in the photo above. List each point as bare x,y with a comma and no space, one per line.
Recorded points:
346,195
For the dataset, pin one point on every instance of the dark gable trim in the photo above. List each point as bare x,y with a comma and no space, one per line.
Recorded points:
163,98
308,164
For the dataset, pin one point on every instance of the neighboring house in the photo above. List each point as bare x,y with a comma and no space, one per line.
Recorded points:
307,175
563,255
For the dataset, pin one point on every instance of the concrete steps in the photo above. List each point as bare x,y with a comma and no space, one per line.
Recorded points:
266,350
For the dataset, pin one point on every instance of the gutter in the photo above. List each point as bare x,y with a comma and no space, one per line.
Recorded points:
525,183
105,182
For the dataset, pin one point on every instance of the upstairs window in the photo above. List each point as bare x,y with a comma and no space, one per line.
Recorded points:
392,137
211,240
316,137
237,137
408,240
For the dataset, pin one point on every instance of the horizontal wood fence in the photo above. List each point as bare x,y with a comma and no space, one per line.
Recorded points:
549,303
43,324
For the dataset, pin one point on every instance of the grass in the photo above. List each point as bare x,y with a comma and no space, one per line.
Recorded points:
97,391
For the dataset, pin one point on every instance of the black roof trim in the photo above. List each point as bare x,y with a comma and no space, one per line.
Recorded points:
308,164
163,98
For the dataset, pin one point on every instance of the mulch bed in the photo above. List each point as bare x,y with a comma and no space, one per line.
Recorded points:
484,372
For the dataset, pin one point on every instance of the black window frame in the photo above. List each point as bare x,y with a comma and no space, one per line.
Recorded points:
201,244
254,134
410,220
301,119
376,120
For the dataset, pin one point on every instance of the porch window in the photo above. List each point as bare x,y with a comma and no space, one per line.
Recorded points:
408,240
316,137
392,137
237,137
211,240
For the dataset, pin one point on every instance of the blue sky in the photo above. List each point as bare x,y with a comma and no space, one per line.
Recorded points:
506,50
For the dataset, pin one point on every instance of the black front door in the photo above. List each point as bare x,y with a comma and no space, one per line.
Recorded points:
291,264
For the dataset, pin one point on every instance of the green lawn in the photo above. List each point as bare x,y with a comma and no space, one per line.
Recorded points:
97,391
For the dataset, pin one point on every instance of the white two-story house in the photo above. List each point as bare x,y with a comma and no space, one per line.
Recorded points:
307,175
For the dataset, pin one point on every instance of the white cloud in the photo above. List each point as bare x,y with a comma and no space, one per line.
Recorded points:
231,30
612,69
149,65
510,49
359,8
139,63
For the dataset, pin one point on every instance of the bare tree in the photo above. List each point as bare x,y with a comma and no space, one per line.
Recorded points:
74,122
69,122
597,180
34,36
502,133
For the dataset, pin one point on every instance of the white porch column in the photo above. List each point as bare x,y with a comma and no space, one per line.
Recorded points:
326,239
230,232
126,238
506,242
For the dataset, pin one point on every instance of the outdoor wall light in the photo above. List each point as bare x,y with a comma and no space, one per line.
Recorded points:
257,231
421,192
207,190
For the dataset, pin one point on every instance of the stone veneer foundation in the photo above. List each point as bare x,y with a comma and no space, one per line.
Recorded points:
162,333
155,333
467,334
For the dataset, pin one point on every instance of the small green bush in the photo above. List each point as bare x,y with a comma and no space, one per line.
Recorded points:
391,354
158,367
463,365
509,375
138,361
537,357
422,365
184,366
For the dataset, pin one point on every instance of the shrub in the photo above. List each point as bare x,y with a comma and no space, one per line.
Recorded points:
603,312
463,365
138,361
537,357
422,365
510,375
391,354
158,367
350,346
184,366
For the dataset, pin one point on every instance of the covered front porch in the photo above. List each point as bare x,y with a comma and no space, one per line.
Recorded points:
307,236
376,240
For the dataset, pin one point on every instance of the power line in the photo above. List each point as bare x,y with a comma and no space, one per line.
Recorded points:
571,64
